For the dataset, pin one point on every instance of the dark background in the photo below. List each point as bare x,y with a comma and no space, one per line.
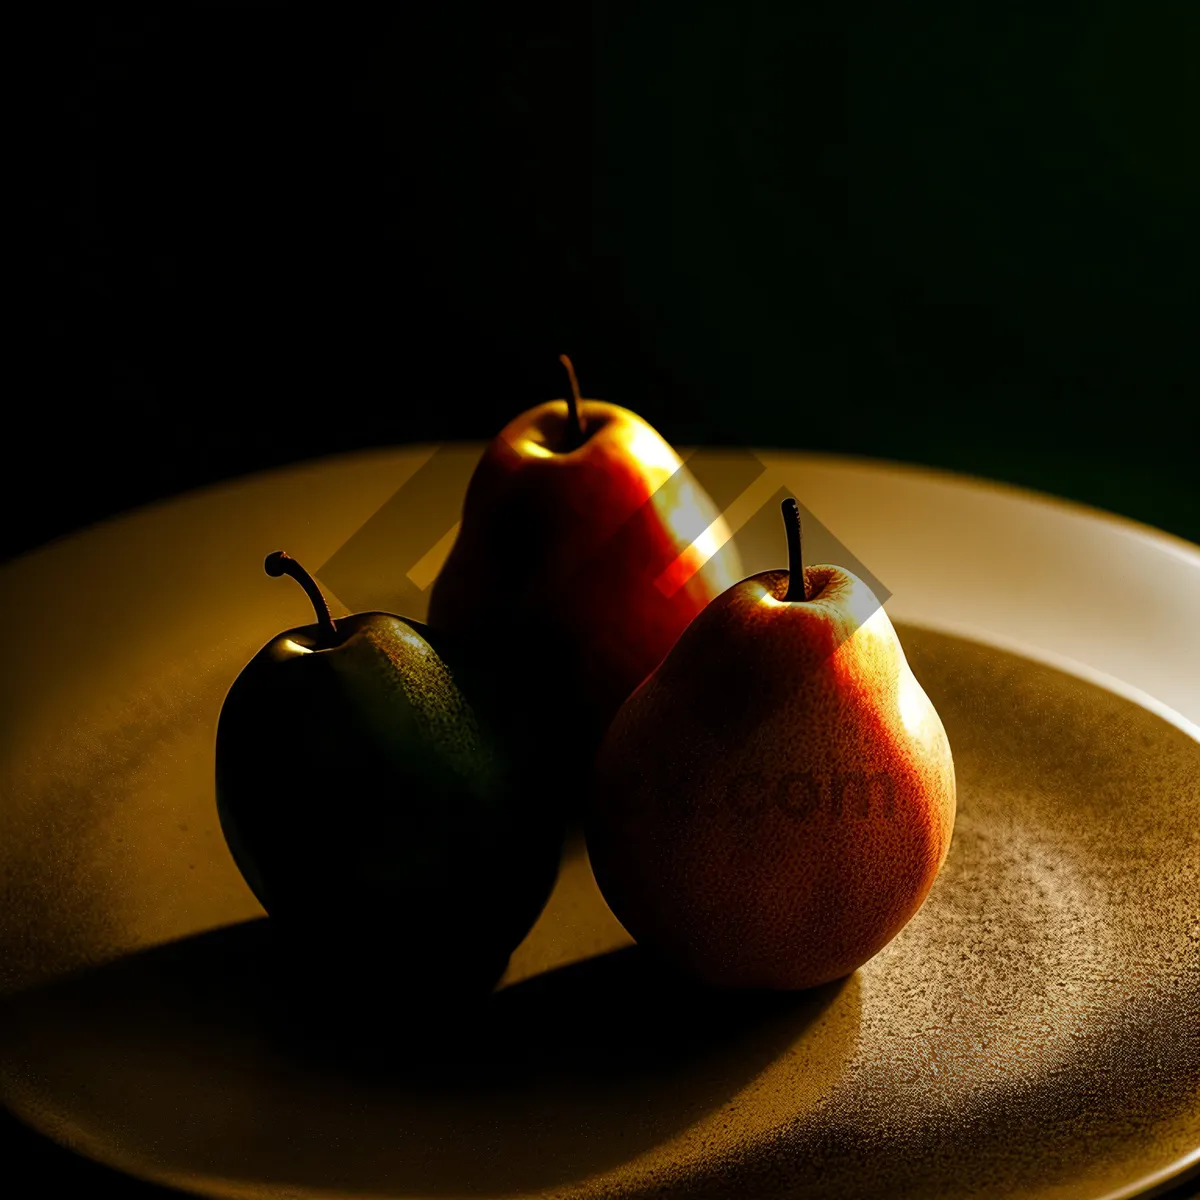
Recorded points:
941,232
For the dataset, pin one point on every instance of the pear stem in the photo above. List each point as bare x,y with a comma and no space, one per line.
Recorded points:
797,588
575,434
282,563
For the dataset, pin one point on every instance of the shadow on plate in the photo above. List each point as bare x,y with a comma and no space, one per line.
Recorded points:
212,1057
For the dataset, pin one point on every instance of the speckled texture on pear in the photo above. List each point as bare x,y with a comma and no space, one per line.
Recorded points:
774,803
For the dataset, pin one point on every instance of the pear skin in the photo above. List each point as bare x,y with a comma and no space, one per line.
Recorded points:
571,518
372,809
773,804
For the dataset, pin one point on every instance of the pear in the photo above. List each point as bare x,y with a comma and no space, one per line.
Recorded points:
585,535
370,806
773,804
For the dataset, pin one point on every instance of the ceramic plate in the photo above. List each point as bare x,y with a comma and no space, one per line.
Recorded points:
1033,1032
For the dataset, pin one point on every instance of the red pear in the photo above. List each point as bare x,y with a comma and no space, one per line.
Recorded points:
585,548
773,804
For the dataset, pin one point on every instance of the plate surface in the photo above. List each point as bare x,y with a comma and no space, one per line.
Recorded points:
1033,1032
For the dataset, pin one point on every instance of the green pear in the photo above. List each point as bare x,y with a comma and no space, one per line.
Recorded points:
371,806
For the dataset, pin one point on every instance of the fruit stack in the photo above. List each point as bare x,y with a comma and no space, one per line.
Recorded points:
767,792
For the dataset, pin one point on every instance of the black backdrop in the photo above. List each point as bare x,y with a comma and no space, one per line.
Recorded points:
948,233
943,232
